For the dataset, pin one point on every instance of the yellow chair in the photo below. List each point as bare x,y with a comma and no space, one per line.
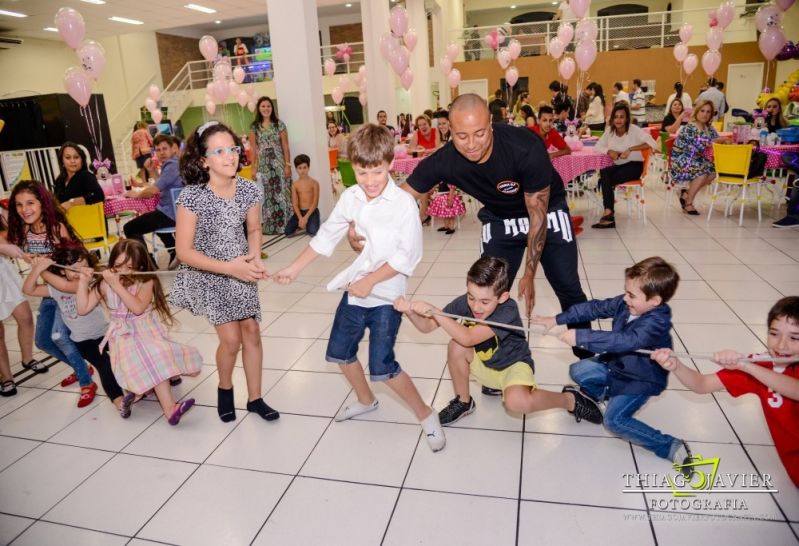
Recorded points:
718,126
88,221
634,189
246,172
732,169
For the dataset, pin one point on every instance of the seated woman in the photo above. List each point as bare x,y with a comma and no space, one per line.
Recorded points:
774,117
335,139
623,142
424,141
676,118
76,185
442,126
688,162
530,120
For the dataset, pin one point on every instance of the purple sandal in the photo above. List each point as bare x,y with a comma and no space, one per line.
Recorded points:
180,409
127,401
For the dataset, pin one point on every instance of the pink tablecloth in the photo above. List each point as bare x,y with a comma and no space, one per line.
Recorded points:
774,153
406,165
115,205
573,165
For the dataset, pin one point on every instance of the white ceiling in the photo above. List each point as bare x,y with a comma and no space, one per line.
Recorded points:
155,14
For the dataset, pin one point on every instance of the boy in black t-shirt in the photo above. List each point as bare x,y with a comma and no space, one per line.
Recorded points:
498,358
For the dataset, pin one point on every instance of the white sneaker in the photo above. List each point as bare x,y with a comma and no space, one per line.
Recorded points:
433,432
355,409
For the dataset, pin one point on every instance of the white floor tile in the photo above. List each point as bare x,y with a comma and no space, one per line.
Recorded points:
12,526
673,531
746,416
226,506
418,520
674,413
391,407
309,393
702,312
44,416
343,513
299,325
122,495
750,290
12,449
550,523
50,533
767,461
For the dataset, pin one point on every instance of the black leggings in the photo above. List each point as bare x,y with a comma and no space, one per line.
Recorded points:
610,177
149,222
507,238
90,351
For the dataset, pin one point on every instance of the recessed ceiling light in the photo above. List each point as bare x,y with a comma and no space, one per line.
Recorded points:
50,29
513,7
217,22
348,5
125,20
12,13
203,9
98,2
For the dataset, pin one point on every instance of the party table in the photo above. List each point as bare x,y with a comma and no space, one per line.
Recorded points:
580,162
773,153
406,165
115,205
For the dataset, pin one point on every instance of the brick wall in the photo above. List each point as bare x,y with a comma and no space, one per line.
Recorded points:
346,33
174,52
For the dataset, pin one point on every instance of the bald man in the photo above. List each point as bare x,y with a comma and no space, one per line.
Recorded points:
508,170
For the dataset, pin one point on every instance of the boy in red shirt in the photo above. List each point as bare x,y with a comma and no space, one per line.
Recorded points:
551,137
777,385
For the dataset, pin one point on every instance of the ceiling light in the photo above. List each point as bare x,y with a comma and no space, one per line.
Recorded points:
12,13
98,2
196,7
125,20
513,6
50,29
217,22
348,5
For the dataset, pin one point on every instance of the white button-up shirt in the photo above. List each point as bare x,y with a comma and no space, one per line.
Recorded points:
390,223
633,137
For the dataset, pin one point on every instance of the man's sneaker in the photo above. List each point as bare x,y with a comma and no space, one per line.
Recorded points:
455,410
787,222
488,391
584,407
433,433
682,459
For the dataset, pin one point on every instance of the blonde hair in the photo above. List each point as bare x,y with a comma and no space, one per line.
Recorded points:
370,146
424,117
701,104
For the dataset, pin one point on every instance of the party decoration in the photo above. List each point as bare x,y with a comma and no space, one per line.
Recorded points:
330,67
79,86
690,63
771,42
242,98
586,30
445,65
344,52
388,44
566,68
680,52
157,116
711,60
410,39
503,58
714,38
454,78
210,107
337,94
514,48
401,59
725,14
556,47
362,98
452,51
585,54
712,19
154,92
70,26
406,79
398,20
686,32
209,48
92,58
565,32
768,16
238,75
512,76
579,7
150,104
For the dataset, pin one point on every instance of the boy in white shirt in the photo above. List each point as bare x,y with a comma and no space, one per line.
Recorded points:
388,218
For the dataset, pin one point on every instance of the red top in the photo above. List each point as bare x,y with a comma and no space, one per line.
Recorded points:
428,143
552,138
782,414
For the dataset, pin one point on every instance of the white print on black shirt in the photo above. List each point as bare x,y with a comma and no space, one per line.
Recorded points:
514,226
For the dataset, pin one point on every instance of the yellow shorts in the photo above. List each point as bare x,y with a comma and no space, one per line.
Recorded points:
516,374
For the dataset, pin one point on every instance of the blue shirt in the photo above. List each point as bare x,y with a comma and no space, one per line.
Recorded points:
170,178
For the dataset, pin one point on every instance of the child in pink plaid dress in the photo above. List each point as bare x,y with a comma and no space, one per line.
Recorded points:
143,357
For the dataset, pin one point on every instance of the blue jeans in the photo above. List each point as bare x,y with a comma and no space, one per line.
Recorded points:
52,337
592,376
349,326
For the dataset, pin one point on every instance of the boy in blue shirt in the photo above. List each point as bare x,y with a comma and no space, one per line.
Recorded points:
619,375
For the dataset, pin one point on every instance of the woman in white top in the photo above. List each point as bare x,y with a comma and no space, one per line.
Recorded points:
595,115
684,97
623,142
336,140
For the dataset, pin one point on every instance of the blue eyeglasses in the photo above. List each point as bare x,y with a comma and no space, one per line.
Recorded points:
233,150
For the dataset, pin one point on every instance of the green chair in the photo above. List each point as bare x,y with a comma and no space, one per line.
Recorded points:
597,133
347,173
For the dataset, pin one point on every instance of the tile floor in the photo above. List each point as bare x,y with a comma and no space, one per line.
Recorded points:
70,476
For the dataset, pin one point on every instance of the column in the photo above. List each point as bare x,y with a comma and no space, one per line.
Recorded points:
439,47
294,30
380,79
421,95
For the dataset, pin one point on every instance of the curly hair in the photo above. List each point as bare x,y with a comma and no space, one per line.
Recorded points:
53,216
192,162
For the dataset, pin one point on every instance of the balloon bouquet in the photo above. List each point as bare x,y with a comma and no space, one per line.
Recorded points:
344,53
226,81
772,38
78,80
505,56
397,45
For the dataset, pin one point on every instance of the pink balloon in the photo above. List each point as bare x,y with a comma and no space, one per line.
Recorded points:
503,58
70,26
208,47
711,60
680,52
242,98
514,48
233,88
488,40
337,94
407,78
344,82
785,4
210,107
725,14
92,58
221,91
585,54
445,65
452,51
714,38
238,75
454,78
767,16
155,93
401,60
78,85
565,32
362,98
388,44
398,20
686,32
512,76
690,63
771,42
150,104
251,105
410,39
586,30
330,67
251,90
566,68
556,47
579,7
157,116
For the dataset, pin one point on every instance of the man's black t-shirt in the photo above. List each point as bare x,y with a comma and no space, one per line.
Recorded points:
495,107
519,164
